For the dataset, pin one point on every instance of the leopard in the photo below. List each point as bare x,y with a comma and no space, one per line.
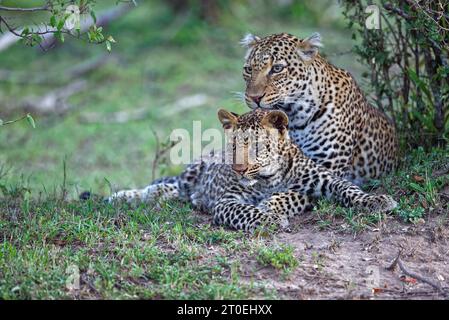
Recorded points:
260,178
331,119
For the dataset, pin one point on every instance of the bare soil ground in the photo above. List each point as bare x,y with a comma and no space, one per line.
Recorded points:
338,264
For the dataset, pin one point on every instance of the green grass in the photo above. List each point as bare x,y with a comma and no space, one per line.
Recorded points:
120,252
418,186
280,257
151,252
165,251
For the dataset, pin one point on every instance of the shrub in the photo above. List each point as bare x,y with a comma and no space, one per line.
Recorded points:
408,60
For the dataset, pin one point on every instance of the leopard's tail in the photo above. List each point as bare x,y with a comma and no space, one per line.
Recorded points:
180,187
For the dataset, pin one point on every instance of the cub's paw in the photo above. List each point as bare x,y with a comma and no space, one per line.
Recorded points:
379,203
196,199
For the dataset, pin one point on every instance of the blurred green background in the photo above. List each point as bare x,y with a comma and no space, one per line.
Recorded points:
174,62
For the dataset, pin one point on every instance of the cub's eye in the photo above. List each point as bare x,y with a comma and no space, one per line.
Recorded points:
248,69
277,68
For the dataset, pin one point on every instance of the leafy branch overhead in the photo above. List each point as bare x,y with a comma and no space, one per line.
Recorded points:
76,19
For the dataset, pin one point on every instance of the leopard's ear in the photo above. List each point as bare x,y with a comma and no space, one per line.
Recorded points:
275,119
249,40
227,119
308,47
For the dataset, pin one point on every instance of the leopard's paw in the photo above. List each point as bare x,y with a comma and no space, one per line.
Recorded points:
379,203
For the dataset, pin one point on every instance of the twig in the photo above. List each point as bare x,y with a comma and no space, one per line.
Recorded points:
156,157
13,121
48,33
64,180
15,34
398,11
160,152
393,264
398,261
89,284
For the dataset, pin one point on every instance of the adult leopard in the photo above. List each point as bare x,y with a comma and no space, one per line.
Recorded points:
261,178
330,118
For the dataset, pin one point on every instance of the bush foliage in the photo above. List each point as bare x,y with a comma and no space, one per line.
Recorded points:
408,60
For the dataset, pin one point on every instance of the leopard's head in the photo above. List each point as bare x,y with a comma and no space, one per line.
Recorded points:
277,69
255,144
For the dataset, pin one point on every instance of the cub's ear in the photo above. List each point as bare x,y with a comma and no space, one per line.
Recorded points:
249,40
227,119
275,119
308,47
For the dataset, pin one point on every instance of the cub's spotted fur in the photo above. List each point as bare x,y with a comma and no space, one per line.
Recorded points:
273,181
330,118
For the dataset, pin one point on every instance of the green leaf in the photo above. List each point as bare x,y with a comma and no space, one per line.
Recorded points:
31,121
36,39
60,24
1,122
111,39
419,83
92,14
59,35
108,46
416,187
53,21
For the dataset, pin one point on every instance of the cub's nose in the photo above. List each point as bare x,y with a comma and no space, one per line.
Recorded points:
239,168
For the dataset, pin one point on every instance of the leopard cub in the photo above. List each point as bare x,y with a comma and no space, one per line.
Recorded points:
260,178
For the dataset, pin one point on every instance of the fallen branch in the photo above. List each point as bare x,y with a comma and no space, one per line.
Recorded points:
114,117
398,262
55,78
89,65
43,8
54,102
186,103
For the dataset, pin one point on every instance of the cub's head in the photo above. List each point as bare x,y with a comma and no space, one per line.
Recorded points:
276,68
255,143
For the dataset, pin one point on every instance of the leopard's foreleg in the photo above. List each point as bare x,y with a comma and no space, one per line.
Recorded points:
351,195
289,203
243,216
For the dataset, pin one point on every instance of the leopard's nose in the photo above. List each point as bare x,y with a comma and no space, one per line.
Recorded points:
256,98
239,168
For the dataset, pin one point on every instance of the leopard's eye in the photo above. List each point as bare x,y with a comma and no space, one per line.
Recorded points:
248,69
277,68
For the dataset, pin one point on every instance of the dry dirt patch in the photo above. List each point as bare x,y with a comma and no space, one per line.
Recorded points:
341,265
